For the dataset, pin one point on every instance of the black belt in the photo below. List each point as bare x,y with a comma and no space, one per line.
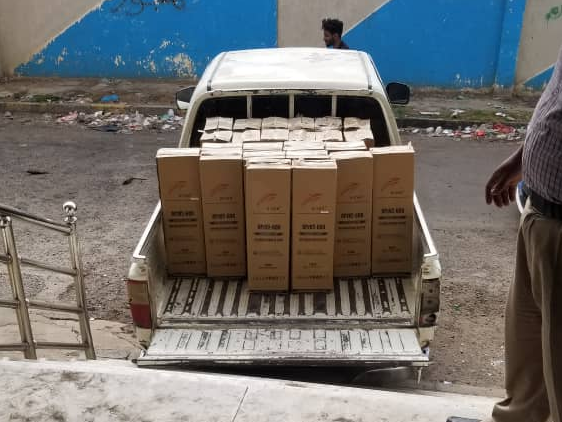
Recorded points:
547,208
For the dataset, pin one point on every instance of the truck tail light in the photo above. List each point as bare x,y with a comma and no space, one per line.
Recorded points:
139,301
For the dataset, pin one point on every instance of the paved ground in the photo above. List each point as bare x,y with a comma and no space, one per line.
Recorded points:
477,247
476,242
113,391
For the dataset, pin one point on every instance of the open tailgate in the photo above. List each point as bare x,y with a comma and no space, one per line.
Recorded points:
284,346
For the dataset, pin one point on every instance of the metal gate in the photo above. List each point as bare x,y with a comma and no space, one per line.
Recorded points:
21,304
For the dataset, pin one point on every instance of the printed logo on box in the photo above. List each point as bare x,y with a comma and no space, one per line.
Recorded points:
177,187
390,183
268,197
349,190
220,189
313,197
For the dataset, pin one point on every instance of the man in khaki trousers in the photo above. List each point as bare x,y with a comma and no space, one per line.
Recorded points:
533,332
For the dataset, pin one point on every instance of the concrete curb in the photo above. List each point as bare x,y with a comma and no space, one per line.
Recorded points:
106,390
158,109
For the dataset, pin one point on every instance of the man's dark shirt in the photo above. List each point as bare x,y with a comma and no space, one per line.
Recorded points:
343,46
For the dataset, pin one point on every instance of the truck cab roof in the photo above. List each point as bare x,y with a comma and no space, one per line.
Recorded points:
292,68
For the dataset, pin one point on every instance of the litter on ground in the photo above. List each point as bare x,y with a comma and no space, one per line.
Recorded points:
497,131
123,123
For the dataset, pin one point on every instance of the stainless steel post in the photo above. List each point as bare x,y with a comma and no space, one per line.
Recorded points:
70,219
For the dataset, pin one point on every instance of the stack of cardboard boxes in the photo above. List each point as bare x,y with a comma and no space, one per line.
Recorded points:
222,193
314,209
182,216
287,203
393,209
268,222
352,252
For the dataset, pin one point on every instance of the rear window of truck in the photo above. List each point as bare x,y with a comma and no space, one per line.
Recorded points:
304,105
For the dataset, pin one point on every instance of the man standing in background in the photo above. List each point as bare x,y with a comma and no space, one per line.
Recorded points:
333,30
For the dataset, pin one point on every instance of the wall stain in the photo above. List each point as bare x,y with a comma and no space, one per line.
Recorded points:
119,61
554,13
182,65
136,7
61,56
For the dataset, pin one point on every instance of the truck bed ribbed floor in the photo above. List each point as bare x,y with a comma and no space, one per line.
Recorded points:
201,299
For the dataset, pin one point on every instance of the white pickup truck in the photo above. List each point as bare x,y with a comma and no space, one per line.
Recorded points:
373,322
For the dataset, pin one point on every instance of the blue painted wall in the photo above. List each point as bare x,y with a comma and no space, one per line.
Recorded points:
123,38
442,43
506,68
540,81
446,43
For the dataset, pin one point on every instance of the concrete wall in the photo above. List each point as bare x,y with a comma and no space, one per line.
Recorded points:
541,39
442,43
26,26
154,38
445,43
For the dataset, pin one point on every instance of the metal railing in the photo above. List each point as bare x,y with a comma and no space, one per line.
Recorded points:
21,304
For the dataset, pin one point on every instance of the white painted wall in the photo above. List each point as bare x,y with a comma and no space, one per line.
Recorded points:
300,21
540,40
26,26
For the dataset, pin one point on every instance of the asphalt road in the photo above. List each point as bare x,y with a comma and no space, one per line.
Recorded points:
476,242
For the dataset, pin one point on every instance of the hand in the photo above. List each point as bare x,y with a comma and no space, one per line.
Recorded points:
502,186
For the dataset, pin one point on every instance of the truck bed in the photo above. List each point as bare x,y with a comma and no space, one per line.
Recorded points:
204,300
208,322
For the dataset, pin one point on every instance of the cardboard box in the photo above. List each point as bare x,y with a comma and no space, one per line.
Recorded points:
328,123
240,125
345,146
249,135
330,135
301,135
237,138
225,150
223,214
303,145
313,224
393,209
275,123
220,147
274,135
309,154
263,154
225,123
354,203
355,123
219,136
180,193
268,224
298,123
262,146
266,160
361,135
213,124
